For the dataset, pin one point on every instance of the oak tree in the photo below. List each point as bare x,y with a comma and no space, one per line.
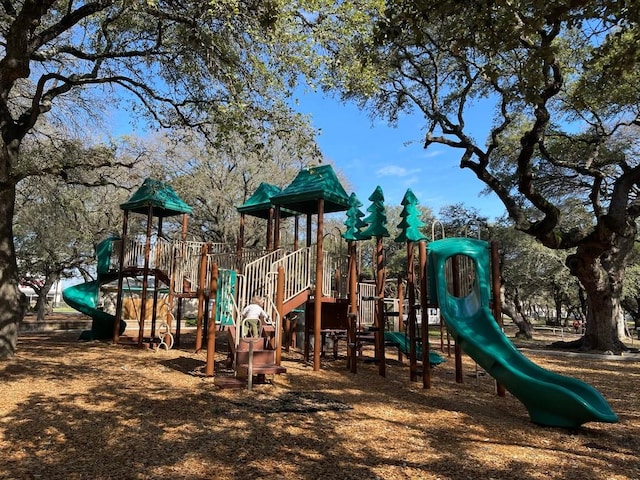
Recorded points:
556,82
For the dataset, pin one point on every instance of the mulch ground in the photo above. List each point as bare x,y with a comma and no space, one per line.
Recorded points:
92,410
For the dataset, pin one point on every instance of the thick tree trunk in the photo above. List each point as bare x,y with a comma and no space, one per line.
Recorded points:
42,306
601,274
12,301
513,309
557,303
631,306
602,323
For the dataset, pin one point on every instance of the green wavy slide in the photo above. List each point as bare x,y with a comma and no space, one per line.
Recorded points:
551,399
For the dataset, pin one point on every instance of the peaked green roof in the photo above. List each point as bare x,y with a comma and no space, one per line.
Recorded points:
310,185
259,204
159,195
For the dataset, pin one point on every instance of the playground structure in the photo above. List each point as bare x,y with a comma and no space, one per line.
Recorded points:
221,280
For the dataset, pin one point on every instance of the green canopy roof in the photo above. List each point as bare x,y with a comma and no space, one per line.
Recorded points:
159,195
259,204
310,185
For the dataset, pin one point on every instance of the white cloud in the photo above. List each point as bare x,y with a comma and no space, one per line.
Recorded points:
410,181
396,171
433,153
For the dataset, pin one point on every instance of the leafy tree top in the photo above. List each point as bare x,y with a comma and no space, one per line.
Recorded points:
194,63
560,79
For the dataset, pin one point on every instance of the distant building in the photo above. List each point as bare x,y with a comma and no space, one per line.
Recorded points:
54,297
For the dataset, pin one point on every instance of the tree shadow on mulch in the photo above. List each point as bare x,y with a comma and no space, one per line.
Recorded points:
291,402
196,367
186,365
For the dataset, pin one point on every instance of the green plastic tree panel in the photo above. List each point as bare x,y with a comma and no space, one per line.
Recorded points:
411,225
377,218
551,399
354,222
225,295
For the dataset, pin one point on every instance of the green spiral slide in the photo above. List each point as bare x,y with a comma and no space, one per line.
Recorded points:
84,298
551,399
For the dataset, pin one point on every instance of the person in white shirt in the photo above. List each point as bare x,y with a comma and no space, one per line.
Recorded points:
251,316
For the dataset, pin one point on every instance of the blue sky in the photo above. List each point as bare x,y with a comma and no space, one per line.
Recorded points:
372,153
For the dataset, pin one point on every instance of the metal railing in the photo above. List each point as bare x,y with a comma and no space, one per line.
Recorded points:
255,276
160,253
182,260
187,265
297,270
366,304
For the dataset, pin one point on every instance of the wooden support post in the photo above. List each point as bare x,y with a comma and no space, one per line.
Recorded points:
276,229
379,333
426,348
202,276
123,240
171,299
317,321
154,312
455,269
240,242
280,308
178,322
352,318
211,331
400,304
270,230
411,292
307,334
496,287
183,232
145,277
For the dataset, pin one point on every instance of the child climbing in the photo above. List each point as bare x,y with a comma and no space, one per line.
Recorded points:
252,315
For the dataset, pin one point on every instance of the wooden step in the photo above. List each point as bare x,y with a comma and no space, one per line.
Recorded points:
258,344
230,382
265,369
260,357
271,369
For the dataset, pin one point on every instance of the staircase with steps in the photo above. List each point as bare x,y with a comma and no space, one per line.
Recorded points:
252,357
